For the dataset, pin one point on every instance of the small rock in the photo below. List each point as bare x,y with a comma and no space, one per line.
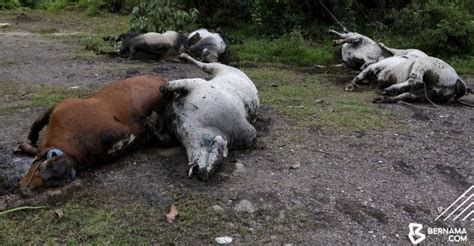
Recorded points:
244,206
229,225
295,166
281,215
223,240
318,101
217,208
274,238
58,213
440,209
239,168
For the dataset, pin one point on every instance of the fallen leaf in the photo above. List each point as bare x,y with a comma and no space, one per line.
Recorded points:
58,213
171,215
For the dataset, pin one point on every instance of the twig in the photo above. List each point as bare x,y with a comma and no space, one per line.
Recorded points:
416,106
21,208
324,152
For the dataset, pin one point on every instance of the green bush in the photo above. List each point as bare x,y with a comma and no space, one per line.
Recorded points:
160,16
437,27
9,4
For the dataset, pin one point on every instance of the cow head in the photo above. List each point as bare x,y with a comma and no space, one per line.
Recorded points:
50,168
209,55
210,154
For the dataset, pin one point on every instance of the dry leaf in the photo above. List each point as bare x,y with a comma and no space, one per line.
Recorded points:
58,213
171,215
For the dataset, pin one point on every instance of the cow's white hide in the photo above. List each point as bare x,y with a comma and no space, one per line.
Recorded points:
211,116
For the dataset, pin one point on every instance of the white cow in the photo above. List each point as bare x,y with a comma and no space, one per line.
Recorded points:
211,116
206,45
358,51
413,76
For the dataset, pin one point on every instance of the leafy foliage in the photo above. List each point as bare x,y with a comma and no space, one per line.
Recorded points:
438,27
160,16
9,4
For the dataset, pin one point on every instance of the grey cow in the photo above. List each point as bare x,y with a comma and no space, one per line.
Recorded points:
358,51
152,44
211,116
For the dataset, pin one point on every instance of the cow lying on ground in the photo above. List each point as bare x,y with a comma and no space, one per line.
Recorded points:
206,45
413,53
358,51
211,116
84,132
413,77
152,44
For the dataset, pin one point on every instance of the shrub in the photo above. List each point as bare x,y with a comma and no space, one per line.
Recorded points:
160,16
437,27
9,4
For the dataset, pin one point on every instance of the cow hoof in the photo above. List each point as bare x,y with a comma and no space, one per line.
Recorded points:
350,87
193,170
380,100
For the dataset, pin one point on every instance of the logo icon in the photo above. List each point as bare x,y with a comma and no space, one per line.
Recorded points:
462,208
415,230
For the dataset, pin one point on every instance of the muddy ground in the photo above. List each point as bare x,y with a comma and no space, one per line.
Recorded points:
306,185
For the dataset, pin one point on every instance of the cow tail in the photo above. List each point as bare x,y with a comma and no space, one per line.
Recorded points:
38,125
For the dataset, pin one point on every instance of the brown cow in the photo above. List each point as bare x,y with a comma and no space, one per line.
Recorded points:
84,132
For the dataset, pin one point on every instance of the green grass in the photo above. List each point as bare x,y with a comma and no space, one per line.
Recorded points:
94,220
15,98
289,49
318,99
46,22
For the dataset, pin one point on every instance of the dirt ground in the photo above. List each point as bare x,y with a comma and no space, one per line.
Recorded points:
306,185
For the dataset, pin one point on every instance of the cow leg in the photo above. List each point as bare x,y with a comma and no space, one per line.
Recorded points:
211,68
360,77
175,88
417,95
342,35
27,149
397,89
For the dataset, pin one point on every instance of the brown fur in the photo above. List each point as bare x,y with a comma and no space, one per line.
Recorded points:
86,129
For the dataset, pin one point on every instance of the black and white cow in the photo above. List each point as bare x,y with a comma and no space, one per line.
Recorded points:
205,45
358,51
152,44
413,76
211,116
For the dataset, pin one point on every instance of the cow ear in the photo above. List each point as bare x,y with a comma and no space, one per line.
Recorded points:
221,144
